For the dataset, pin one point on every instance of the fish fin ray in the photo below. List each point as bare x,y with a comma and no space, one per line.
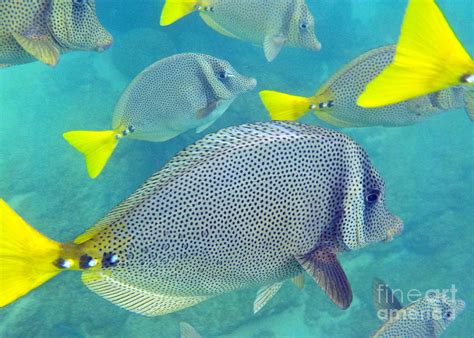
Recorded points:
134,299
96,146
26,256
174,10
272,45
383,297
188,331
264,295
215,26
285,107
298,280
429,57
323,266
41,48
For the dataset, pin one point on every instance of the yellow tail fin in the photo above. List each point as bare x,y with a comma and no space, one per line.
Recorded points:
96,146
26,256
285,107
429,57
176,9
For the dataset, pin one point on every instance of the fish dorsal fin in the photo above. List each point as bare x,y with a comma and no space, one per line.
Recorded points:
323,266
187,331
42,48
135,299
215,26
429,57
272,45
384,299
469,103
298,281
264,295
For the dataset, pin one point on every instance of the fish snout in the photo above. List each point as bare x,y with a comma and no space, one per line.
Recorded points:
316,46
460,306
252,83
395,229
105,44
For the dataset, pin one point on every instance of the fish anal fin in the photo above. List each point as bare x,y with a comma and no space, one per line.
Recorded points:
215,26
383,297
264,295
298,280
272,45
133,298
323,266
41,47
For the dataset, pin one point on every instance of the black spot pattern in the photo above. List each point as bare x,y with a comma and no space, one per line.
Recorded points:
71,26
233,210
168,98
345,87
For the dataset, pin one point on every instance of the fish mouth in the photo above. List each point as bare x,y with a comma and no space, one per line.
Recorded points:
317,46
252,83
396,229
460,306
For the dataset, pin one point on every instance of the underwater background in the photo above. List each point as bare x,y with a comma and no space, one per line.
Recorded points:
428,169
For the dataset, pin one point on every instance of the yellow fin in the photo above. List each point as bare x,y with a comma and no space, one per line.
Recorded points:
298,280
469,101
133,298
96,146
26,256
215,26
429,57
177,9
283,106
42,48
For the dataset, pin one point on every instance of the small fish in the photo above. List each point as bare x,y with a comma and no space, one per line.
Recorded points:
427,317
429,58
43,29
248,206
172,96
271,24
335,102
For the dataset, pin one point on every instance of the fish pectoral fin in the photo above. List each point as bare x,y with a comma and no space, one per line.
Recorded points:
187,331
383,298
206,111
272,45
215,26
264,295
134,299
41,47
469,103
298,281
323,266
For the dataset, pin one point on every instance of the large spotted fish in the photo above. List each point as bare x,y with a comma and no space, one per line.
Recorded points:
43,29
335,101
248,206
426,317
271,24
176,94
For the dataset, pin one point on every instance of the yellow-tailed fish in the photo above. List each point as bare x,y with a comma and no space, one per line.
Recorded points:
271,24
248,206
426,317
43,29
429,58
335,102
176,94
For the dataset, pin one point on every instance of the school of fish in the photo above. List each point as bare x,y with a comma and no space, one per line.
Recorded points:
249,206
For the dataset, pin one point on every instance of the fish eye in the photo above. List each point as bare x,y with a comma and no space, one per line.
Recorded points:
303,26
79,2
373,196
448,314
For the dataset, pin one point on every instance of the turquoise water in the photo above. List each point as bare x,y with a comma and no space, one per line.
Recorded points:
428,169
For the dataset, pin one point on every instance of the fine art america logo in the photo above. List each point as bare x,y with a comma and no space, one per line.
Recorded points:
434,304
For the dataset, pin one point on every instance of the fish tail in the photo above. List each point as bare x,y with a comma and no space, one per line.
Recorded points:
285,107
96,146
429,57
177,9
26,256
